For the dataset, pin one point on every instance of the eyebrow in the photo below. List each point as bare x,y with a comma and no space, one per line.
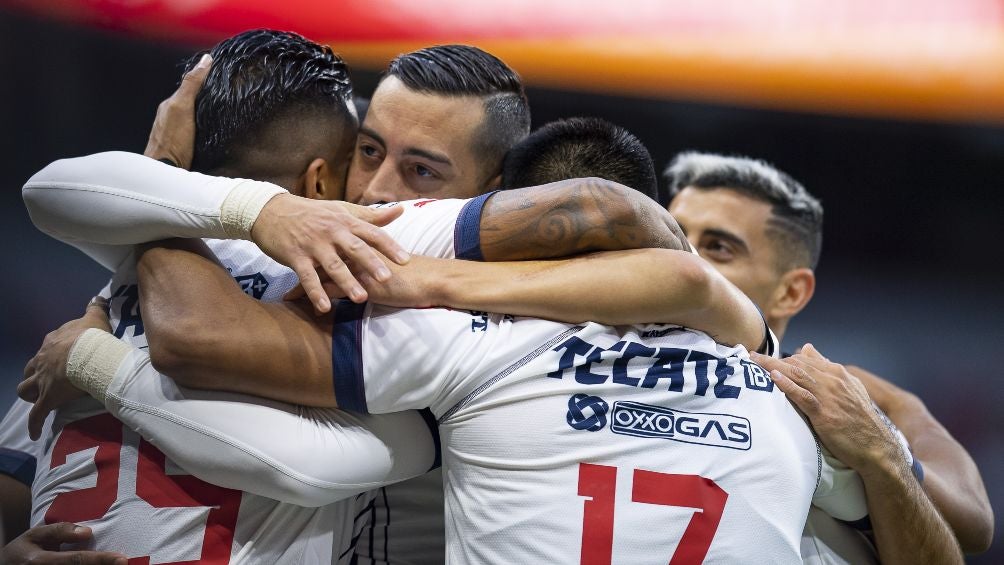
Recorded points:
411,151
727,235
369,132
436,157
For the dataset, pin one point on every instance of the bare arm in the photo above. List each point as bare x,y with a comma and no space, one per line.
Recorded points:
16,506
571,217
908,528
951,477
652,286
185,305
206,333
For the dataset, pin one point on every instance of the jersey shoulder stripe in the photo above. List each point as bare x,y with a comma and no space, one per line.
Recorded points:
509,370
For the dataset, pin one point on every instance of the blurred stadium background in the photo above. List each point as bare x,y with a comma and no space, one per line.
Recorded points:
892,112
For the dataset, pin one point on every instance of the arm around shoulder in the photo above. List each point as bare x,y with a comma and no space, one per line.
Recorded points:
571,217
205,333
951,477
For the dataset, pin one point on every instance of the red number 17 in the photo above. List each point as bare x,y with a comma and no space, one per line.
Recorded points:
599,482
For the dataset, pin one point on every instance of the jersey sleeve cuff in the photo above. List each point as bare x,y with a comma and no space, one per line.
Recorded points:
241,207
467,233
347,357
94,359
430,420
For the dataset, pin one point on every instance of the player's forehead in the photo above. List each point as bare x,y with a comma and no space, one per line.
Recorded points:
406,119
720,209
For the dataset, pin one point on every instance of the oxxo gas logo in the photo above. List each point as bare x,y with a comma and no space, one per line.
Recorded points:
587,412
715,430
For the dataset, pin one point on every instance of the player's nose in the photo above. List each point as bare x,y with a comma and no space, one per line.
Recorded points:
386,185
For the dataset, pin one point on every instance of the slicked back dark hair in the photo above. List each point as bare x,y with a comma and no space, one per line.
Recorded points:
580,147
258,76
796,222
462,70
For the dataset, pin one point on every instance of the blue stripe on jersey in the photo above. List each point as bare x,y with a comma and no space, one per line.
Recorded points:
430,420
347,356
467,233
21,465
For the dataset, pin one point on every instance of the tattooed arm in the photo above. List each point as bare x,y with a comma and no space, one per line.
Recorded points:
571,217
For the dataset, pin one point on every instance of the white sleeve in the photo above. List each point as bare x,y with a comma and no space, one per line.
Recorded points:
445,229
304,456
839,492
100,203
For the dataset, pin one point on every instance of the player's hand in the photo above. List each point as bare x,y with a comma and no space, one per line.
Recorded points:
45,381
306,234
40,545
173,133
838,407
410,286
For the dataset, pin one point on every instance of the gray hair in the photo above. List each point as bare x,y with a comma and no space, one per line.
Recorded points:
796,224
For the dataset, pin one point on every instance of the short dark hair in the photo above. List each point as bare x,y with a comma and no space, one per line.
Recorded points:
796,225
257,77
462,70
580,147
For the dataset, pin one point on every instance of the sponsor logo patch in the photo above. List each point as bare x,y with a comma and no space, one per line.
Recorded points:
253,285
587,412
757,378
715,430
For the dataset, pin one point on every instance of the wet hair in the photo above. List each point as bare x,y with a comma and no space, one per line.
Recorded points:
796,223
580,147
462,70
258,78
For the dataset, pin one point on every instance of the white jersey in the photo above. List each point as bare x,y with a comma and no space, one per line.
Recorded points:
101,473
145,200
175,204
565,444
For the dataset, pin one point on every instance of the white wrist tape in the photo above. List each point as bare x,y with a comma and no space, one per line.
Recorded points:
94,359
241,207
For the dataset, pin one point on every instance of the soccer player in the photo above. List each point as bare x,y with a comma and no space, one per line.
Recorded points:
274,106
571,242
570,369
580,147
762,230
438,126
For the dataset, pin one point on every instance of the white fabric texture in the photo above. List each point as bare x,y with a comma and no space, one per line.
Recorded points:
103,202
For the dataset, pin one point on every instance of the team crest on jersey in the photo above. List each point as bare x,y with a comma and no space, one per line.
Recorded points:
587,412
714,430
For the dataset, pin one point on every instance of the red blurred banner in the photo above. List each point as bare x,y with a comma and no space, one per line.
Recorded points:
920,59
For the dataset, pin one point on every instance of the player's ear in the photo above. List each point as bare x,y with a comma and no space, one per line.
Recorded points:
793,292
318,182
